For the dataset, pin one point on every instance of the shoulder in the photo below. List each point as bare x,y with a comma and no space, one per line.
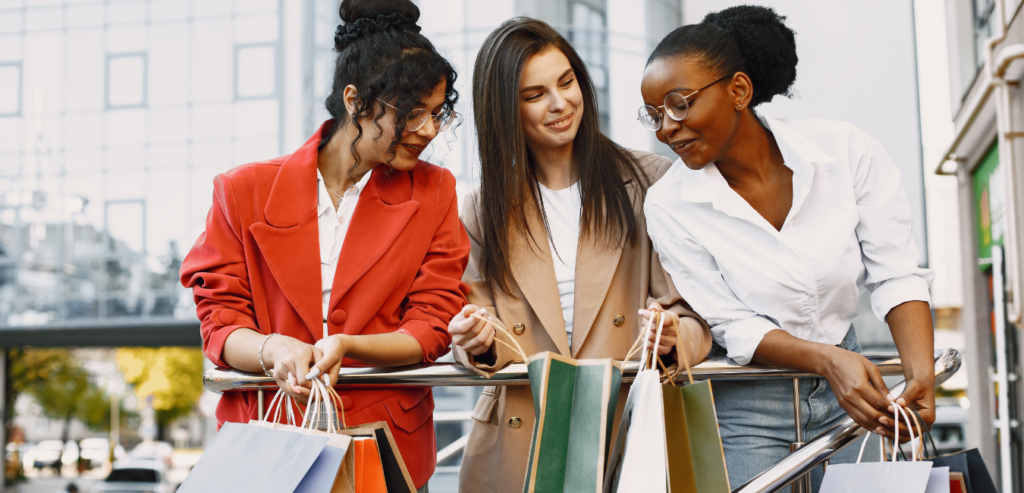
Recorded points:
651,164
470,213
831,136
434,180
245,178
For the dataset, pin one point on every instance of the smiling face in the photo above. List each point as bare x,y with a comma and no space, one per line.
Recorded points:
411,145
550,101
706,132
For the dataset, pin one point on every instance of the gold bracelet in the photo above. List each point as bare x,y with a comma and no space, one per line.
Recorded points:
264,343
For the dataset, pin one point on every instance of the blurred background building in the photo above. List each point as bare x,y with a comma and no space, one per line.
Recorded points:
115,115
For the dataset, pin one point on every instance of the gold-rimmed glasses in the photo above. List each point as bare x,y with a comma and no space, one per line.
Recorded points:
676,106
418,118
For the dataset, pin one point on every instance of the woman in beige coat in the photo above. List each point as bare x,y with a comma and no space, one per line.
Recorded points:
560,258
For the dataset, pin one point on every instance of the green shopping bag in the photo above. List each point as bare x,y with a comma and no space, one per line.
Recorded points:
574,402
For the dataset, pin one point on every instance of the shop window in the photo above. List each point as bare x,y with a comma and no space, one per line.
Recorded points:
126,80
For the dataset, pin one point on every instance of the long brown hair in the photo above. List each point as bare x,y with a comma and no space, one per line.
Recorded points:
508,177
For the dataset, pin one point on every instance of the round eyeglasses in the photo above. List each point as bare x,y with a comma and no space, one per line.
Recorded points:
418,118
676,106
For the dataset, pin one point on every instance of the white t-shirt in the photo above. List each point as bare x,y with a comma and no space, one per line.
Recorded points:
563,209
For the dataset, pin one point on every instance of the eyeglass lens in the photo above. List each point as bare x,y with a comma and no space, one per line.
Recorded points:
419,116
676,106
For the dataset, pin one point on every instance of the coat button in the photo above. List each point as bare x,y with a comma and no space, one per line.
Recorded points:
226,317
515,422
338,316
619,320
519,329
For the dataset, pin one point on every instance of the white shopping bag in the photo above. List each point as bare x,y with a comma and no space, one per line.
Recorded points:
644,459
887,477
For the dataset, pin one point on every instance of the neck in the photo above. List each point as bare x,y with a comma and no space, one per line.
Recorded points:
752,155
553,166
335,161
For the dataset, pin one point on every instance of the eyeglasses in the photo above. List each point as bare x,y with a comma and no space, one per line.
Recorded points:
418,118
676,106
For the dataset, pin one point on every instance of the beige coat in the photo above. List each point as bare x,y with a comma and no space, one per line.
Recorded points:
611,285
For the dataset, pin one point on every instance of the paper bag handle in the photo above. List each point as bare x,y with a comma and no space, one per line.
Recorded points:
897,412
499,329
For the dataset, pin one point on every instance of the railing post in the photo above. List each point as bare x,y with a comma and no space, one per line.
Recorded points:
802,484
259,404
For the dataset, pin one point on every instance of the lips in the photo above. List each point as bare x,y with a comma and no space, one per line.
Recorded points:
681,145
561,123
414,148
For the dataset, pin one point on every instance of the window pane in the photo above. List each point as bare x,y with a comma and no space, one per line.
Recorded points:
255,71
10,89
126,80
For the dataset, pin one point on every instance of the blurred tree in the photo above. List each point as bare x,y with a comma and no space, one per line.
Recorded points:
61,386
173,376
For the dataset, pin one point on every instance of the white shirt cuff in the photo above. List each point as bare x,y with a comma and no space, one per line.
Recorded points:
896,291
741,337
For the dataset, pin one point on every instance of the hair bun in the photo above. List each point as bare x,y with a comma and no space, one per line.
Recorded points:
767,45
346,33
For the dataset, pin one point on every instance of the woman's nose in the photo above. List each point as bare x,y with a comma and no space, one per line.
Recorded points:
428,130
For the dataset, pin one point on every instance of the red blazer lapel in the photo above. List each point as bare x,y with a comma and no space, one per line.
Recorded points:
384,209
289,239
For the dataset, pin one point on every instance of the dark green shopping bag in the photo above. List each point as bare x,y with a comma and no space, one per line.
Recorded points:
574,401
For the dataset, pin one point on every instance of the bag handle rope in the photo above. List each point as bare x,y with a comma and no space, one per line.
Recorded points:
681,357
897,412
499,329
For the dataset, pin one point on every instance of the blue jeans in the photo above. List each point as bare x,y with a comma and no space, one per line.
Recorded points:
755,418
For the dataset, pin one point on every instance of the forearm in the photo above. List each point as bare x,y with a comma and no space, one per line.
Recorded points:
911,327
780,349
695,340
241,351
391,349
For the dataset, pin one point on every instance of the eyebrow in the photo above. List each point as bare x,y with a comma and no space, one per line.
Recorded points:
560,77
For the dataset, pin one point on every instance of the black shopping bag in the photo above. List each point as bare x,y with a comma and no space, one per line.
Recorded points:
970,464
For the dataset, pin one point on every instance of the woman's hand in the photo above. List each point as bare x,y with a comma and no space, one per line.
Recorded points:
473,335
919,394
669,332
292,359
860,390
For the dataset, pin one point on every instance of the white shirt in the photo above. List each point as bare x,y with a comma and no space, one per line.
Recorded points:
563,209
333,226
849,229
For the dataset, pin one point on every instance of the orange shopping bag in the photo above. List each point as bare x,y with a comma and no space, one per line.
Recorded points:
369,471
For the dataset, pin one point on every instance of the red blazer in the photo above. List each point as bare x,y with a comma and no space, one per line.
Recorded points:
257,266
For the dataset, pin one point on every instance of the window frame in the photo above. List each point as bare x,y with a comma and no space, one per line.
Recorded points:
145,80
20,69
274,73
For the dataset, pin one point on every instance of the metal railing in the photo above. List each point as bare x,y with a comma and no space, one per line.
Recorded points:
794,468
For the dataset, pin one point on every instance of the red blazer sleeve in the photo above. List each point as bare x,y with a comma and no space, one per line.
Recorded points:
437,292
215,269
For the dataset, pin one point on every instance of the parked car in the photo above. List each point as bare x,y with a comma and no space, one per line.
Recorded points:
135,475
161,451
47,454
70,454
95,450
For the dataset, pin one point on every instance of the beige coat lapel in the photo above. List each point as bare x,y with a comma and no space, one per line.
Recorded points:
596,263
534,272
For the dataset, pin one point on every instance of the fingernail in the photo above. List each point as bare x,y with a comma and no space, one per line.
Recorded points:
890,397
879,430
291,378
315,372
327,379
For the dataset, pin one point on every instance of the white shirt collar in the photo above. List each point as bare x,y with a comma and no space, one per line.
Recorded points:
324,201
798,153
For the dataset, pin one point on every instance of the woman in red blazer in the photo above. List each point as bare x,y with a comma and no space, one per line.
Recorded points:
256,272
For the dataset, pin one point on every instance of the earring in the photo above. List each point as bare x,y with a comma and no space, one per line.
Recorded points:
739,106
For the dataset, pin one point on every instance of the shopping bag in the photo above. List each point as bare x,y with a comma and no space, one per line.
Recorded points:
956,483
244,457
668,438
574,403
967,471
912,476
377,450
332,472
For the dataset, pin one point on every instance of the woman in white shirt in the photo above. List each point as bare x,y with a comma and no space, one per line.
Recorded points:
559,254
770,229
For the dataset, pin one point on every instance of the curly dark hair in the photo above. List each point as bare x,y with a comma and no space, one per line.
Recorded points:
382,53
747,38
